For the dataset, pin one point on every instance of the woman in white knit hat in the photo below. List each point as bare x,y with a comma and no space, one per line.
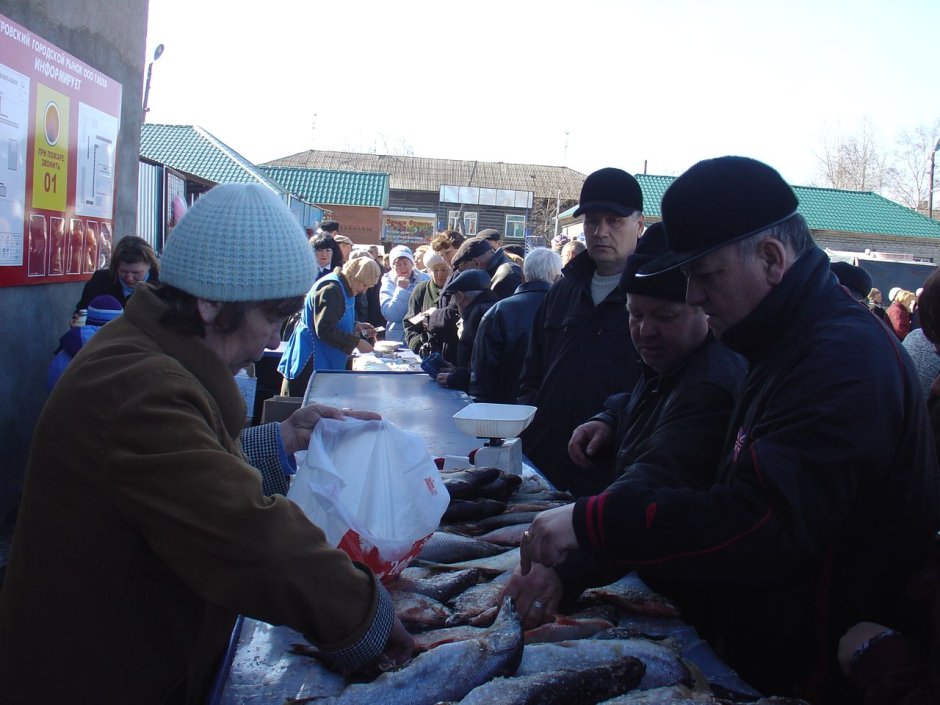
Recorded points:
397,285
143,531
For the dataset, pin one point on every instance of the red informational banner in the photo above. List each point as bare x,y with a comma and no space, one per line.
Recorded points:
59,122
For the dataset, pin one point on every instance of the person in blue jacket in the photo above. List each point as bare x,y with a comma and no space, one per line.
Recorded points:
103,308
397,285
327,331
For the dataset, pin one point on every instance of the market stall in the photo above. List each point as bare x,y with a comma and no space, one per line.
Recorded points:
624,633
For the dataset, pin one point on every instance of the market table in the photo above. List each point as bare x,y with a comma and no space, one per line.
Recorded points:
259,667
410,400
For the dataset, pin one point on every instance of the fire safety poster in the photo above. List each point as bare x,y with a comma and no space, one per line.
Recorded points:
59,121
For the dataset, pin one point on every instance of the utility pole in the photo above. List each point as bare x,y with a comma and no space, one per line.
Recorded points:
933,154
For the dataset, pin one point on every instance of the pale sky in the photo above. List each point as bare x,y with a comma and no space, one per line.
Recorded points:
668,82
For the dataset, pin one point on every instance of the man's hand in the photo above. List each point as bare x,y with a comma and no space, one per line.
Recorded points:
536,595
587,440
549,538
400,645
296,429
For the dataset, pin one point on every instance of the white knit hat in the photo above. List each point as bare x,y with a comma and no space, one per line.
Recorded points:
401,251
239,242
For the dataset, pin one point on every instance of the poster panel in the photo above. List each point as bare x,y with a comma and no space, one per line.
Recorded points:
410,229
59,124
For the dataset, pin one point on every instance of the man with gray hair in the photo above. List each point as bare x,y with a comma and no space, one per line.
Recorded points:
503,337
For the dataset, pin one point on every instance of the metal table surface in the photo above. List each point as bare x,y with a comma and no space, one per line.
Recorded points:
412,401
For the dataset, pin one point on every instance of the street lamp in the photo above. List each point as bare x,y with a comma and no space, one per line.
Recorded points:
933,153
157,53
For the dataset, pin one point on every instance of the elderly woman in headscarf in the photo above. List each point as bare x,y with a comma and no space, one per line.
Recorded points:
327,331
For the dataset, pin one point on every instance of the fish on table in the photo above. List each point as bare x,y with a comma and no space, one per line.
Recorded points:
491,565
571,687
478,599
664,666
441,586
506,535
681,695
630,593
447,672
564,628
444,547
418,611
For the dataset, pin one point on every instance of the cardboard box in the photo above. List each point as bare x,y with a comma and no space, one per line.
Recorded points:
278,408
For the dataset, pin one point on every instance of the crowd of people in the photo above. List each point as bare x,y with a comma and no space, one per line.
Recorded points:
744,423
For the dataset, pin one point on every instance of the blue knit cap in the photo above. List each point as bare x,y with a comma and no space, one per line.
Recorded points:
102,309
239,242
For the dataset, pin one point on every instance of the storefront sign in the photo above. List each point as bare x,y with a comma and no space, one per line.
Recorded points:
59,121
408,228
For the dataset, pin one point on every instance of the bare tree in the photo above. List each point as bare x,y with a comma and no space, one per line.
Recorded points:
855,162
909,180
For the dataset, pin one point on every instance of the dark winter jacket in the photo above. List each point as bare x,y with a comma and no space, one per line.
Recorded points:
501,344
505,274
460,378
442,325
818,516
672,427
579,354
101,283
425,296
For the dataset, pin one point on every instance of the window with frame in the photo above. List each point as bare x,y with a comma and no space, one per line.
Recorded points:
515,227
469,222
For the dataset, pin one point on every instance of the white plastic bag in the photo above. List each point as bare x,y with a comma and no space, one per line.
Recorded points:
373,489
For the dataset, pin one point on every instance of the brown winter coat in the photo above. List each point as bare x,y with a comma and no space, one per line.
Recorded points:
143,532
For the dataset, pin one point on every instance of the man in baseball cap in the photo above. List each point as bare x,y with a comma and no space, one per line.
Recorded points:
818,517
583,326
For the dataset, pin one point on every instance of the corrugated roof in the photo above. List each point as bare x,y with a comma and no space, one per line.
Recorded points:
828,209
194,151
424,174
331,187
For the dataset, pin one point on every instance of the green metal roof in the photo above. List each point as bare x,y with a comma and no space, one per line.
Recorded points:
193,151
332,187
824,209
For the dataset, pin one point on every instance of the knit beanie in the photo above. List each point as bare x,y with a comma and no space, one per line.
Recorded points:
239,242
102,309
364,270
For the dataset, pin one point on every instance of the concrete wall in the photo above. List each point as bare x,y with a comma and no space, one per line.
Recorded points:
109,35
